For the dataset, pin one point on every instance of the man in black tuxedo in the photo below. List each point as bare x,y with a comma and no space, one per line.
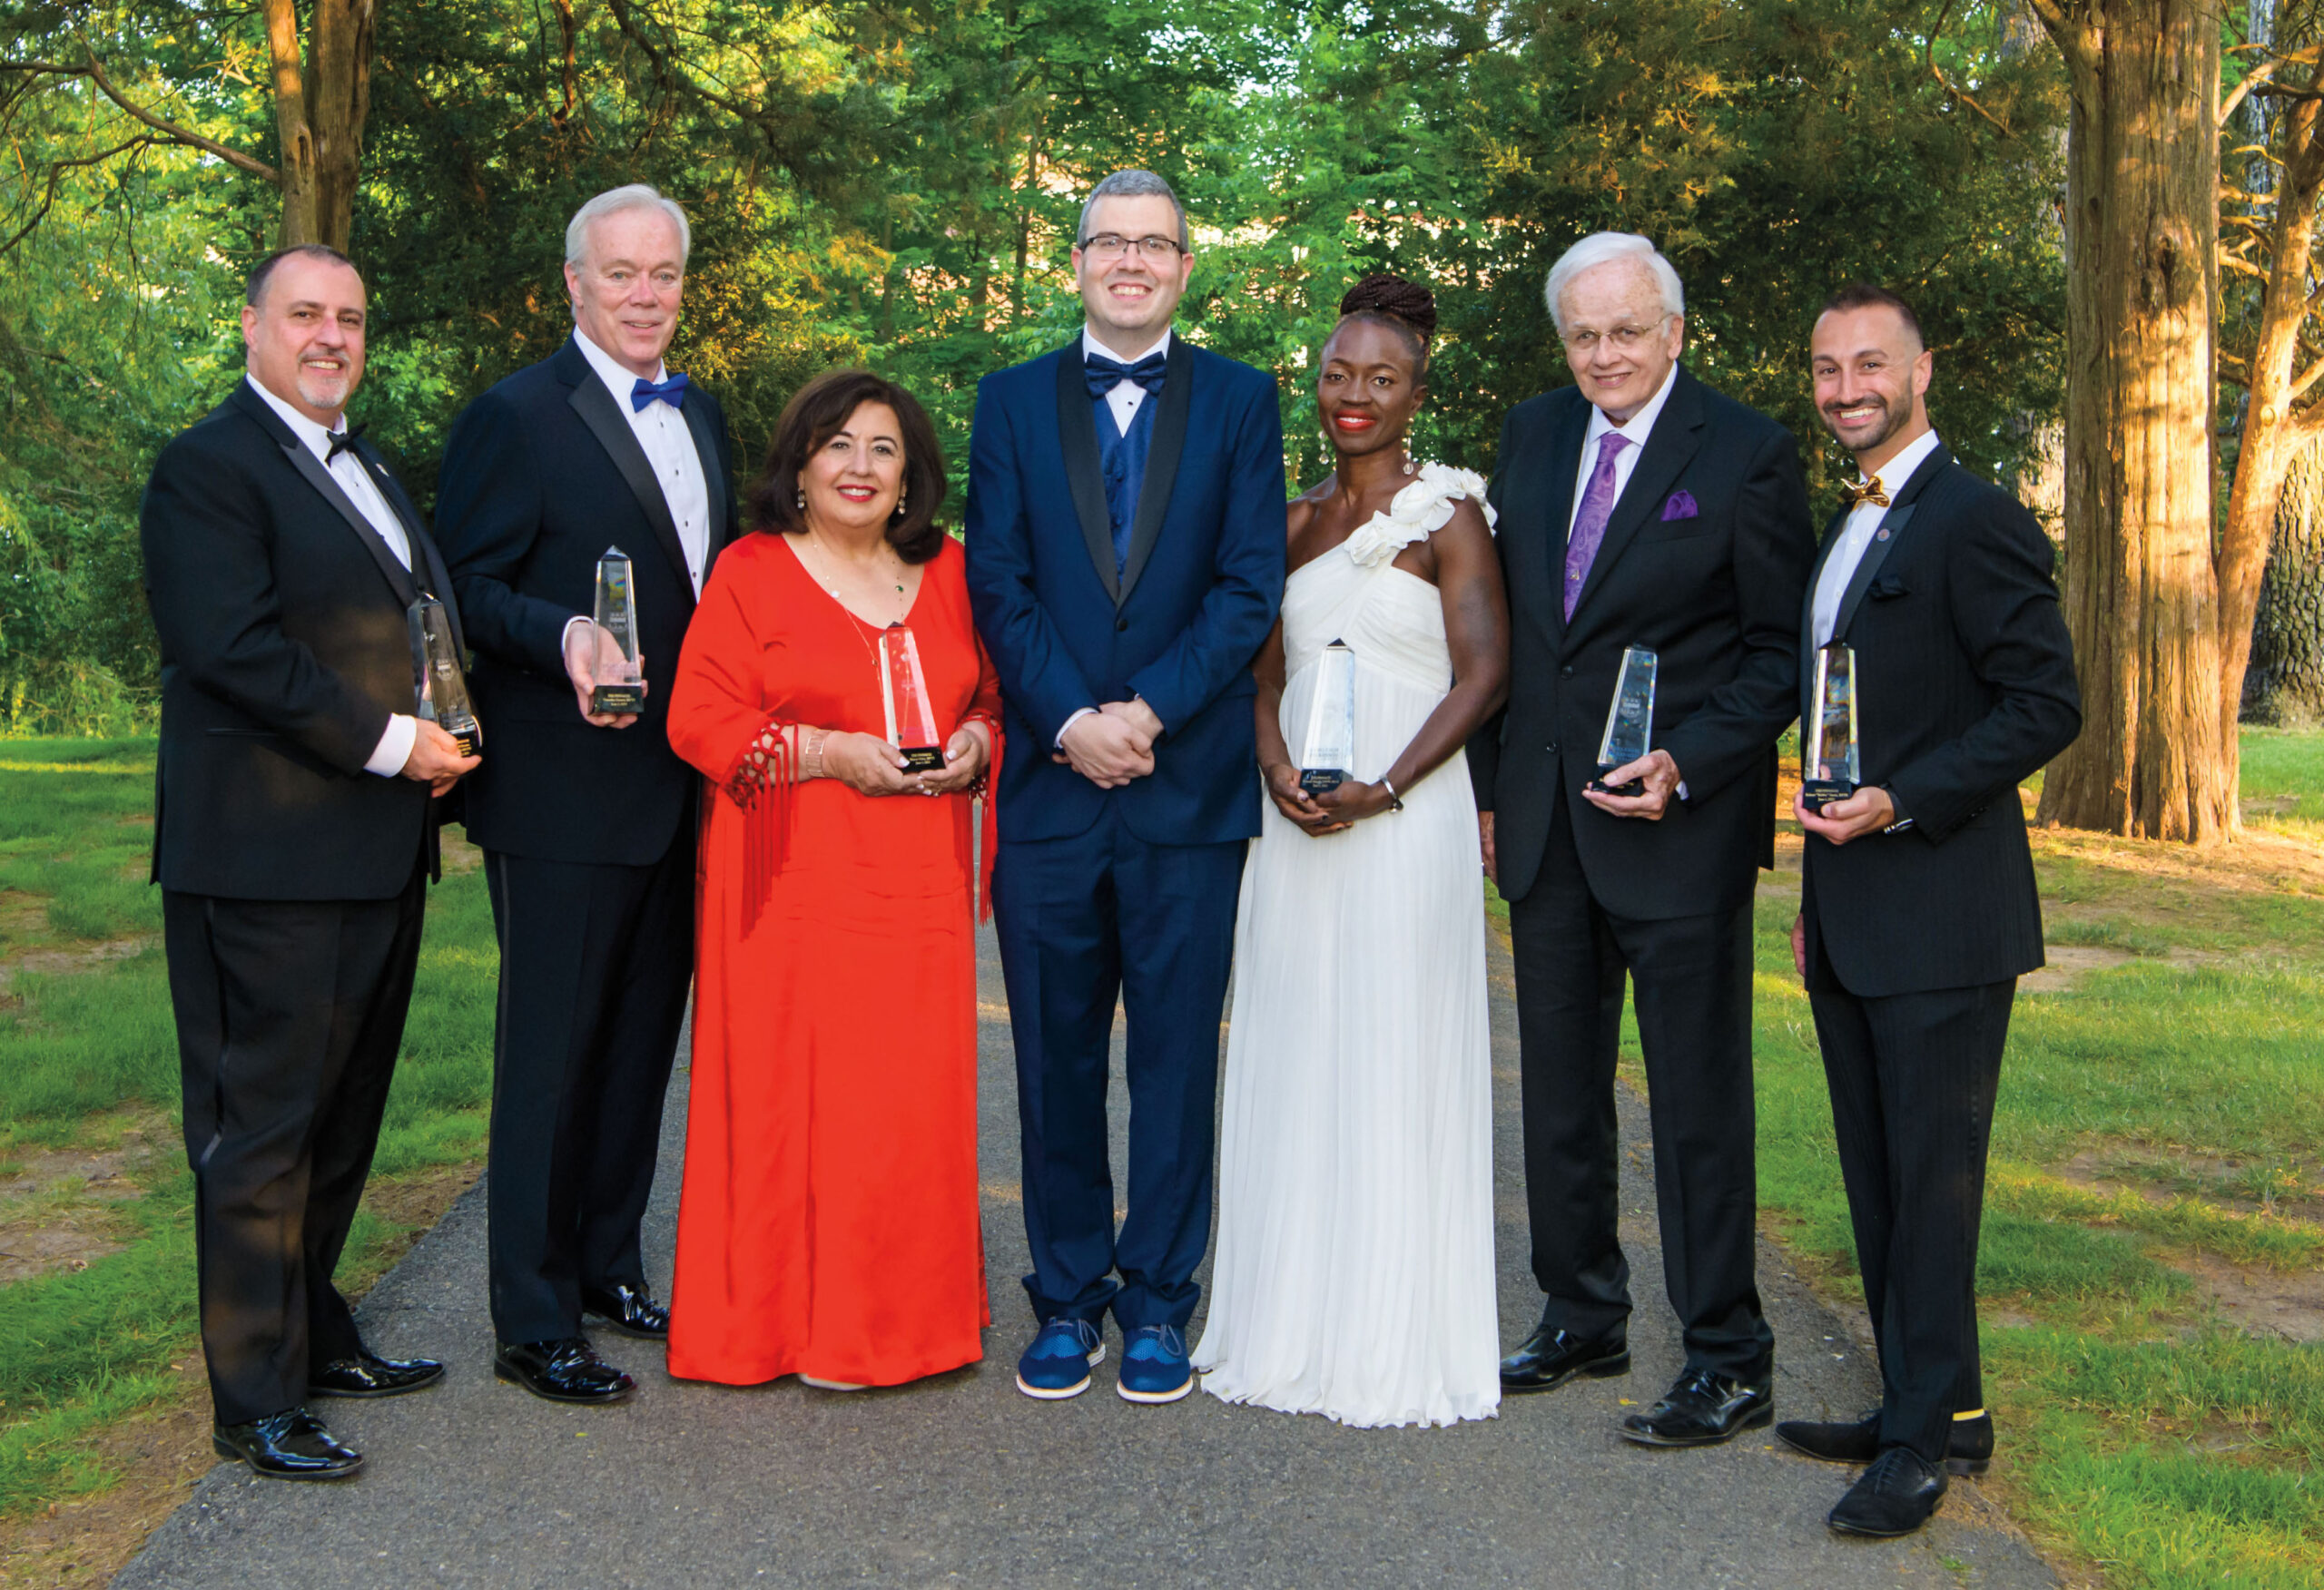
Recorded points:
1640,508
586,818
293,839
1918,909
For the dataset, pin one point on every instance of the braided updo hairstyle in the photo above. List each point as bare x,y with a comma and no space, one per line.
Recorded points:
1405,307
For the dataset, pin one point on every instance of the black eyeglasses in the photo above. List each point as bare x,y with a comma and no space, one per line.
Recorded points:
1107,247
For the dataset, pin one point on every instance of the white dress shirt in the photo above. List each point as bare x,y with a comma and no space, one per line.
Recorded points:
1123,400
1635,430
1122,404
1864,519
351,476
661,430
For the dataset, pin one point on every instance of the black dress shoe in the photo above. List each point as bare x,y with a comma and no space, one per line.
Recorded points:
1893,1497
290,1445
1551,1357
630,1309
1702,1409
368,1374
565,1371
1969,1449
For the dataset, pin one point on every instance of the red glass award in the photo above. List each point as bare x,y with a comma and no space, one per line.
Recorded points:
912,720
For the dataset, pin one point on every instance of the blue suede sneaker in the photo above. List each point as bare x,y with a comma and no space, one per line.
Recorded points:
1154,1365
1057,1366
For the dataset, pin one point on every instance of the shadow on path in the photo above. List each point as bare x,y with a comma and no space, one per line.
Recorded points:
959,1481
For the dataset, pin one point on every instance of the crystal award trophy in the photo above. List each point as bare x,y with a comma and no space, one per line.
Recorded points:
443,684
620,680
1829,766
1328,758
911,722
1630,722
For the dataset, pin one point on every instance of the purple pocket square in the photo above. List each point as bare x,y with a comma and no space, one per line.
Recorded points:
1681,506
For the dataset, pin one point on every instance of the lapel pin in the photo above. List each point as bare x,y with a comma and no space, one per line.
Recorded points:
1881,534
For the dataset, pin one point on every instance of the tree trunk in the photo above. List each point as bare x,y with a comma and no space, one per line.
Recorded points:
2142,596
2285,683
321,104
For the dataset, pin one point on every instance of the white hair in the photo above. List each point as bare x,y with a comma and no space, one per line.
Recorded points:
1599,248
612,202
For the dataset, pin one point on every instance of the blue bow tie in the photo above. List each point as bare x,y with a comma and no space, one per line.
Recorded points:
671,392
1104,374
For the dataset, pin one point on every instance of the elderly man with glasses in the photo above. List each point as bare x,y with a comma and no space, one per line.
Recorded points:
1640,511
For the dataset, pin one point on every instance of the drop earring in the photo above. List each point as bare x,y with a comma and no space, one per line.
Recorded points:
1408,463
801,496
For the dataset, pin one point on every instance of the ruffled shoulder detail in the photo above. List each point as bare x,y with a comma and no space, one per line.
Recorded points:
1419,510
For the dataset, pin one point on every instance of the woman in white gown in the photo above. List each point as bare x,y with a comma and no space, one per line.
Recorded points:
1354,1271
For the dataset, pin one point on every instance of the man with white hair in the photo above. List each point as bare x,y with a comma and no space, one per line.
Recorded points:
1640,509
587,824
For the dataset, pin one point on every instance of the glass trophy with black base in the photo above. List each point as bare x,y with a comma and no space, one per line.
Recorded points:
1327,757
1830,766
443,687
1630,722
621,681
912,720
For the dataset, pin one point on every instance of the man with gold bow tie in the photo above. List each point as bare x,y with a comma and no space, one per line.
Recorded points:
1919,910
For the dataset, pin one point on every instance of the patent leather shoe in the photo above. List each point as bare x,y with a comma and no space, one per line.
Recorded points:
290,1445
367,1374
567,1369
1701,1410
630,1309
1894,1496
1969,1449
1549,1357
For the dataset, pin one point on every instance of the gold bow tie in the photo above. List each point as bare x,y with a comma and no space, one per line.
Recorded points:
1867,491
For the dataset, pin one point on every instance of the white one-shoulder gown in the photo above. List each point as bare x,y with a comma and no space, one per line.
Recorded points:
1354,1269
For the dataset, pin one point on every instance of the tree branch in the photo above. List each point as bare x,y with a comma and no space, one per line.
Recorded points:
56,169
95,73
1953,90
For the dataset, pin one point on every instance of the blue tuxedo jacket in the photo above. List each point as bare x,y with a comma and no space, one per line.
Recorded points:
1176,626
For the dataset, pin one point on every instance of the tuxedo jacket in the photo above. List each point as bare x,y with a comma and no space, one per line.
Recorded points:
1177,625
1703,562
286,645
1964,684
541,475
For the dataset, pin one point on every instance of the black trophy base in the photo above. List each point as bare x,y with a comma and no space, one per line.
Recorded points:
617,699
1633,787
923,759
1818,793
467,738
1320,780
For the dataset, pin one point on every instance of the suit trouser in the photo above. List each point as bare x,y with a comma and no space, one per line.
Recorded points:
1913,1079
1692,981
595,965
1080,920
290,1014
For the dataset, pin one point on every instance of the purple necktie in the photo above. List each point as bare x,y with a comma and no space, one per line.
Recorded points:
1590,521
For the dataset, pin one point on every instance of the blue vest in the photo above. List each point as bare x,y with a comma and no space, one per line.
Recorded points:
1124,459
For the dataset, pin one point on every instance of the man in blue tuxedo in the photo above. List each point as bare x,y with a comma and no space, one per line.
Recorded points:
1123,613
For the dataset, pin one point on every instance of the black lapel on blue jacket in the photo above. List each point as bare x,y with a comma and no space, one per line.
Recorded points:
1161,460
303,460
596,409
714,475
1077,433
1677,435
1892,526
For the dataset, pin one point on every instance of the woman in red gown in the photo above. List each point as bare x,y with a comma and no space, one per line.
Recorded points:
828,1225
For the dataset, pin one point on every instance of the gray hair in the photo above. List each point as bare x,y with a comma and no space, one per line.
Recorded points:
612,202
1599,248
1130,184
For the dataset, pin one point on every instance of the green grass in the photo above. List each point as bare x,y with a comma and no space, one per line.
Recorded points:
90,1043
2142,1429
2283,781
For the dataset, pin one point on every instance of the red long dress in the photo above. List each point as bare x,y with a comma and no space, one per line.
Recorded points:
828,1222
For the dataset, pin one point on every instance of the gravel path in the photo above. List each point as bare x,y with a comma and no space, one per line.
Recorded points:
961,1481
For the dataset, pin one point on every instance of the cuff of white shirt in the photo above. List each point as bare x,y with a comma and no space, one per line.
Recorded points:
1069,722
395,746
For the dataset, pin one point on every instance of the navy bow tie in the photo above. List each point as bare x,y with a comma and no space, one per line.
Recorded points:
671,392
1104,374
341,442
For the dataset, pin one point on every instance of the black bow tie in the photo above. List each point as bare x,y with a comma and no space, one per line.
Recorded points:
1104,374
342,442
